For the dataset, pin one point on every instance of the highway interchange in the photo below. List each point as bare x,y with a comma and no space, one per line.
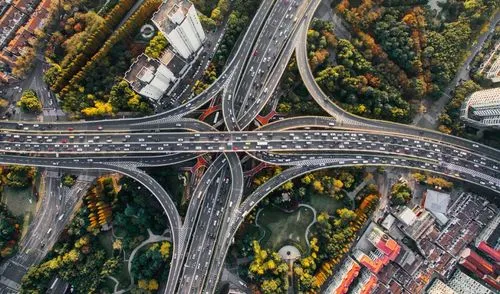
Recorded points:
218,206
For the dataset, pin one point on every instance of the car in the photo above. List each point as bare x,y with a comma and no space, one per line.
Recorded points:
99,128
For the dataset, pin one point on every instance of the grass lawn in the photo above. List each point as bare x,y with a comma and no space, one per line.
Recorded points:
18,200
106,241
281,226
325,203
122,275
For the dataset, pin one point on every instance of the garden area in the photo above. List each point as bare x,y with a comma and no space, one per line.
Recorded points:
18,205
283,217
280,227
116,239
87,41
401,53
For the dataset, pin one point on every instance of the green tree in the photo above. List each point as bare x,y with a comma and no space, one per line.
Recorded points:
400,193
29,102
156,46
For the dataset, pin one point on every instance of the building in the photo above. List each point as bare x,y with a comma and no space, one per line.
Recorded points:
18,25
381,249
344,277
179,23
480,263
149,77
490,252
366,283
438,287
462,284
491,66
482,108
437,204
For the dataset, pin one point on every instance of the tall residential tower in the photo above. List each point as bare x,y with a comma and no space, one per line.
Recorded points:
482,108
178,21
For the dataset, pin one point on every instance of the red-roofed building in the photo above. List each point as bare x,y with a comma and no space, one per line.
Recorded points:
384,243
492,282
480,263
375,261
470,266
344,277
492,253
366,283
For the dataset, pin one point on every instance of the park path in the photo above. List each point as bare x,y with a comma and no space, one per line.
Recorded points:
151,239
367,180
311,224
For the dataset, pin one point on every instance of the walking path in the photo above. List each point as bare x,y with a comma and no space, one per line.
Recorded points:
310,225
151,239
353,193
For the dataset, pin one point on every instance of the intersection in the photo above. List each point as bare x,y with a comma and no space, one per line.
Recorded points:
218,206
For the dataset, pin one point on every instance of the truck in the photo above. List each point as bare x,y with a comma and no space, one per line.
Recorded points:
261,143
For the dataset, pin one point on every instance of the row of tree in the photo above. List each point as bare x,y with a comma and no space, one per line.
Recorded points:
91,46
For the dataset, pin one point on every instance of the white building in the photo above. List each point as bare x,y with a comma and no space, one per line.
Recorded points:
179,23
438,287
461,283
482,108
149,77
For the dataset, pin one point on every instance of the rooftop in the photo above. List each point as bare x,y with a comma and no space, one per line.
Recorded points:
344,277
170,14
438,287
174,63
462,284
437,202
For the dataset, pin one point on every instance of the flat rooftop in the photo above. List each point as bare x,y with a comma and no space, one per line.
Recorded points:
170,14
174,63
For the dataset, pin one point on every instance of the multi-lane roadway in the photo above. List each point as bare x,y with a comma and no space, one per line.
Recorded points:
250,78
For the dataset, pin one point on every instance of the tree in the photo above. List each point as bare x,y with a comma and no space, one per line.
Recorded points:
318,187
287,186
206,22
68,180
29,102
3,103
270,286
156,46
400,193
346,215
440,182
25,62
19,176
